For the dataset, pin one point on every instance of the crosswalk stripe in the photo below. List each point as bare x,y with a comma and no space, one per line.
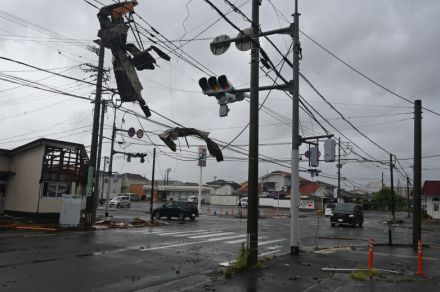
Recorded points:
182,232
243,240
270,241
211,235
269,252
192,234
227,237
274,247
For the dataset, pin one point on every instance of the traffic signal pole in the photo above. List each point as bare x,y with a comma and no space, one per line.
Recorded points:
296,141
110,166
252,220
152,185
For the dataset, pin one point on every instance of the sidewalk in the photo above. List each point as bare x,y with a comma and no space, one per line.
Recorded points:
304,272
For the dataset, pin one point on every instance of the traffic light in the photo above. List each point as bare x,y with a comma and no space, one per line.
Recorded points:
222,89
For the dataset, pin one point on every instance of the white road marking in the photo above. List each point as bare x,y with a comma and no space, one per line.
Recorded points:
243,240
227,237
274,247
211,235
269,252
194,233
270,241
181,232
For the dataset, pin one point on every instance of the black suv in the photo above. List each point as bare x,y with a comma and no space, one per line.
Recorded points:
179,209
347,213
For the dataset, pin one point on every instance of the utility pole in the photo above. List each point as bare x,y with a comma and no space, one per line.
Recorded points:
338,194
382,181
199,197
103,177
392,186
152,185
252,220
92,195
296,140
407,195
417,180
98,163
110,166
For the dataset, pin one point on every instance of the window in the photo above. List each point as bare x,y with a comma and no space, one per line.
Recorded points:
436,204
56,189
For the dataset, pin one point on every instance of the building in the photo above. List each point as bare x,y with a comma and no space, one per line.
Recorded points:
224,192
431,198
106,181
133,183
34,177
175,190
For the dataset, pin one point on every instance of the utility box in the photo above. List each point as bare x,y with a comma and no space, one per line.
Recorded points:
71,211
329,150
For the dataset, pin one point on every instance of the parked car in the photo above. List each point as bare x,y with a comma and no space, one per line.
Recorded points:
179,209
347,213
242,203
120,202
329,209
133,197
193,199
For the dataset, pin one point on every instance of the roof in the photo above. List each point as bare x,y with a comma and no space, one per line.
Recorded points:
309,188
244,187
134,176
221,182
45,141
431,188
282,173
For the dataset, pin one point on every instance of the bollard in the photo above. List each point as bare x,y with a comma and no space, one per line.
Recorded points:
370,258
420,259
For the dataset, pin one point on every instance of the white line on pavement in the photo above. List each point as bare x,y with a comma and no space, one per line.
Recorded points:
182,232
269,252
274,247
211,235
270,241
196,233
243,240
227,237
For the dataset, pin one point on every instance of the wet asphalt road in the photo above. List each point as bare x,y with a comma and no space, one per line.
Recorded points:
165,258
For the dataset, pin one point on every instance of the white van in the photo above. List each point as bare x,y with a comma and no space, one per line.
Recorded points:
120,202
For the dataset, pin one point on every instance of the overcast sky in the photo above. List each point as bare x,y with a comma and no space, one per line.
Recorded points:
396,43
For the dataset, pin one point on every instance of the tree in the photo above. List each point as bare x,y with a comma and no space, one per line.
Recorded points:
382,200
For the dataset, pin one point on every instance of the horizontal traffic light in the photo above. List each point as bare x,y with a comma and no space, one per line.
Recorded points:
214,86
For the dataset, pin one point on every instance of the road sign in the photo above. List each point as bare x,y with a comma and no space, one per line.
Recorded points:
220,44
244,42
140,133
202,156
131,132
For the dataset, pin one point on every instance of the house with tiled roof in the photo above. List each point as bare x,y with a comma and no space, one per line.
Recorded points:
431,197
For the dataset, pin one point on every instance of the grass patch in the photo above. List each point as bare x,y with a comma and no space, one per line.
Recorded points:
240,265
363,275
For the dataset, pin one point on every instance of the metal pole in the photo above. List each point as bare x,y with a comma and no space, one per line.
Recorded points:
417,180
338,195
92,195
110,166
103,177
392,186
407,196
252,219
199,198
152,185
296,141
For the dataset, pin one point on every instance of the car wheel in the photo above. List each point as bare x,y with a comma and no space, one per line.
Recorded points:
169,217
332,224
118,205
156,215
128,206
360,224
181,216
192,217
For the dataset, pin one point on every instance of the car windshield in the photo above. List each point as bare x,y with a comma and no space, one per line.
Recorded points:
344,208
